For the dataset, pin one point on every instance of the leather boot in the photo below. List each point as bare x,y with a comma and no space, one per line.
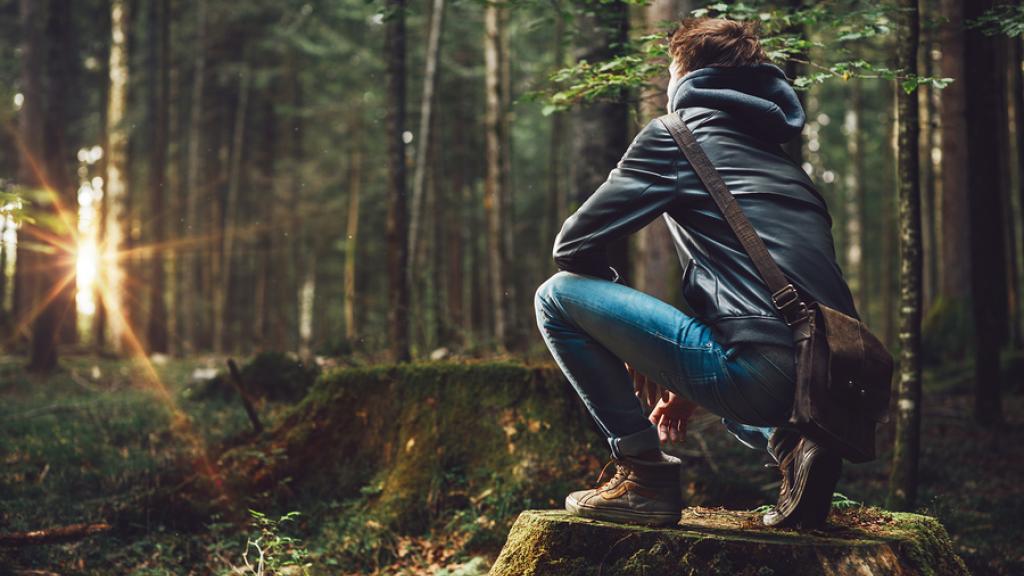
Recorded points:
809,476
640,492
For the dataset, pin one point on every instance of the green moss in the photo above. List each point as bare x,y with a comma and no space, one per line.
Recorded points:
548,542
435,436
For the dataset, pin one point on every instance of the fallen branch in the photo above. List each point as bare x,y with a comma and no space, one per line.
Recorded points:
236,379
52,535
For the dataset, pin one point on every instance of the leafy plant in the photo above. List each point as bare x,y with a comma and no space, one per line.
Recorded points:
271,551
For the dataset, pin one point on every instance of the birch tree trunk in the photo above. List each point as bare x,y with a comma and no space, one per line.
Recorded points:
904,477
116,191
855,195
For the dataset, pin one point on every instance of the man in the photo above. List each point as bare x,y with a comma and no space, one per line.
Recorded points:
735,356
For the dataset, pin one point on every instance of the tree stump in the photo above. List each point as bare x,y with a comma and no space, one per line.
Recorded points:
865,541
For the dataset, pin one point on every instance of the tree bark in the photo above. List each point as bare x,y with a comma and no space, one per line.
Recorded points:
557,209
43,171
426,126
600,135
494,196
159,49
906,448
221,312
355,184
855,196
984,78
397,223
190,265
955,272
115,194
656,267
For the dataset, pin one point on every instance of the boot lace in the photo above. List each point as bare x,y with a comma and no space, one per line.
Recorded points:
619,473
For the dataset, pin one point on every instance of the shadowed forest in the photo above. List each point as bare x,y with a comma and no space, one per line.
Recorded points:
267,270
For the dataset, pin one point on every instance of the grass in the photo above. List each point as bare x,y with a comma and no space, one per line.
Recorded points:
100,441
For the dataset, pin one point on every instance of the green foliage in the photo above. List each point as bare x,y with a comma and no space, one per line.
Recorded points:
354,538
783,36
1005,19
842,502
644,59
270,552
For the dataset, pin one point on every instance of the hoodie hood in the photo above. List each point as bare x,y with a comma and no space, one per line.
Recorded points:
758,94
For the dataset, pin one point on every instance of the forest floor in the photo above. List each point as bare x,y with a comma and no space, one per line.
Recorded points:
101,439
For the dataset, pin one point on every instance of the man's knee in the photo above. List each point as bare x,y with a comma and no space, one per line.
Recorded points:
550,289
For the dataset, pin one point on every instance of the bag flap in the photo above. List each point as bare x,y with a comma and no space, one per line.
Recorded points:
860,367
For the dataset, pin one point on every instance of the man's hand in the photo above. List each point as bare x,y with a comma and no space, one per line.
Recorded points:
646,389
671,416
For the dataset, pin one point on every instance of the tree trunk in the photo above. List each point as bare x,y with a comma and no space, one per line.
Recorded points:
222,291
906,447
929,232
493,199
190,264
1016,61
984,78
955,272
426,126
656,267
557,209
264,309
600,135
889,231
115,194
43,171
355,184
176,204
159,50
855,196
397,224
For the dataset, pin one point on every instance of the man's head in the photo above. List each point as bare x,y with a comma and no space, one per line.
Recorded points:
702,42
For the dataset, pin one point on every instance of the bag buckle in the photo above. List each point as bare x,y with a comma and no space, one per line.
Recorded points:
785,300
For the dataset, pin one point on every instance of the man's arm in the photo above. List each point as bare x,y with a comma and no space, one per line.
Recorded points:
638,190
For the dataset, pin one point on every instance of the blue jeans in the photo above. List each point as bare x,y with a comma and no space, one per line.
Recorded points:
592,325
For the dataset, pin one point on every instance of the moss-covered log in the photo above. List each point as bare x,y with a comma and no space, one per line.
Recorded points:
710,542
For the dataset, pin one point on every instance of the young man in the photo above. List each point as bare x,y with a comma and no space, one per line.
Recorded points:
735,357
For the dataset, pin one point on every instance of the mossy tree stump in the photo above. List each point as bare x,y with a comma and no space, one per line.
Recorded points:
862,541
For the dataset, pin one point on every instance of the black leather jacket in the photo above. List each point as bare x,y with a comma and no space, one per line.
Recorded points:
739,116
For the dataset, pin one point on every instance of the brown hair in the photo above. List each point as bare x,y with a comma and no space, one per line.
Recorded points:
702,42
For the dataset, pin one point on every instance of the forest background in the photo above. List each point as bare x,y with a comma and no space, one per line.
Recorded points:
349,183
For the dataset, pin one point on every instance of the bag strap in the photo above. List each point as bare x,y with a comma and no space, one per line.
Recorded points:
784,295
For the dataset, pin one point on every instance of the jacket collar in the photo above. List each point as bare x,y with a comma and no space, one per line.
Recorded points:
758,94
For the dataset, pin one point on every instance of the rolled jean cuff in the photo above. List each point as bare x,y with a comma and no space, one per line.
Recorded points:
636,443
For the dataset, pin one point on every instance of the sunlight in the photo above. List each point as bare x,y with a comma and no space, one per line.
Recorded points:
85,268
90,192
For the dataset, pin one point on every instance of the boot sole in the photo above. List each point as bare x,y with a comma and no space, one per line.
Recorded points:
619,515
815,482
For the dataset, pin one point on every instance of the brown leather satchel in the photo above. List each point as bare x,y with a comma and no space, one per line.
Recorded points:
843,371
